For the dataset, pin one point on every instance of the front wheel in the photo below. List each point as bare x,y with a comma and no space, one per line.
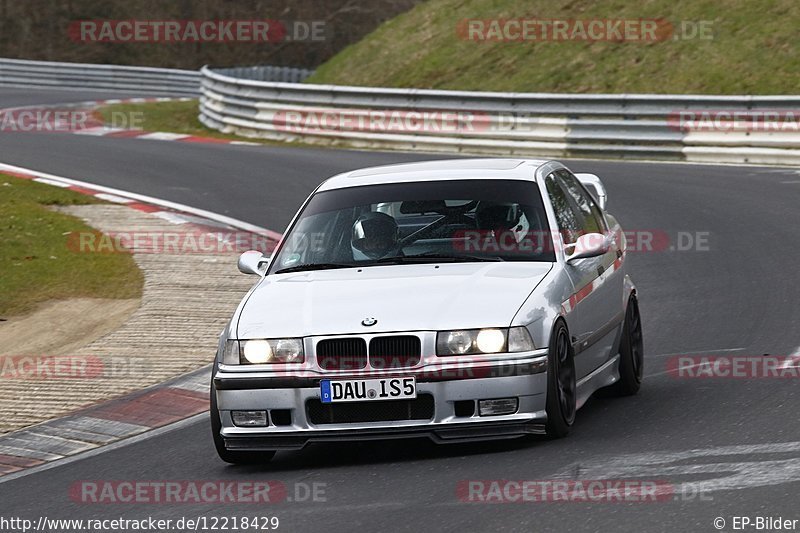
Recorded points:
631,353
561,384
231,456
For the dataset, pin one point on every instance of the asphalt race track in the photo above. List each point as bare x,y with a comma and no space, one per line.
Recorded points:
735,297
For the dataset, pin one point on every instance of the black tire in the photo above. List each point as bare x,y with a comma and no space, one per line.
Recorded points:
631,353
233,457
561,384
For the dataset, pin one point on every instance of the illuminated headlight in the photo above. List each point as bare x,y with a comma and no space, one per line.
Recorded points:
491,340
263,351
483,341
471,341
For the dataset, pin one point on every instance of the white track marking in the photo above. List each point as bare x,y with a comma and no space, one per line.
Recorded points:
170,217
730,467
54,183
99,131
683,367
701,352
163,136
239,224
112,198
793,361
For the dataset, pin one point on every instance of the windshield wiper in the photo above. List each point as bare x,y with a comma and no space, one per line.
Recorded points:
439,258
314,266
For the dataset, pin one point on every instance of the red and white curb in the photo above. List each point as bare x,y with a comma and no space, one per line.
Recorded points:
159,406
127,133
99,425
173,212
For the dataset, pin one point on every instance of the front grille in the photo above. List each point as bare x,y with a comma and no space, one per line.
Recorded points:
342,354
320,413
394,352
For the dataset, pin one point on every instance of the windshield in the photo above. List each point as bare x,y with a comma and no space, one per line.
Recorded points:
455,220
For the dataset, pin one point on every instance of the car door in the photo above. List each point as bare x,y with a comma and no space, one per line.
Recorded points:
591,301
598,280
570,226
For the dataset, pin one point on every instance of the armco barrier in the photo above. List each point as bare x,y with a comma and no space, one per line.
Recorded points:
551,125
144,80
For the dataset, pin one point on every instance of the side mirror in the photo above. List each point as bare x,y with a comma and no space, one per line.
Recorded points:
595,186
253,262
588,245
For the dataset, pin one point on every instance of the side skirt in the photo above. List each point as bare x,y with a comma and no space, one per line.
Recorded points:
603,376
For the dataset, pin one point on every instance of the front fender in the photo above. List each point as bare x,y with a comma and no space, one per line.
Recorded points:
544,306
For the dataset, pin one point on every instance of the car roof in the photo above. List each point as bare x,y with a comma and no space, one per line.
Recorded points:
447,169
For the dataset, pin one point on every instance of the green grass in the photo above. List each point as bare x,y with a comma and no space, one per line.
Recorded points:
753,50
173,117
36,263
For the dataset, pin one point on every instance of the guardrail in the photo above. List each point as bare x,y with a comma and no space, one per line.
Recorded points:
85,76
145,80
549,125
268,73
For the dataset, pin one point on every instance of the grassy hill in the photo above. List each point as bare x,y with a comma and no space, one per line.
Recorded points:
753,49
42,29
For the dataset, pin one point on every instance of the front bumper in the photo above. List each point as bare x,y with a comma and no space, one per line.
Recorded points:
523,377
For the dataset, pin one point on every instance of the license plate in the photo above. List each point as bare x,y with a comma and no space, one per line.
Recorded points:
366,390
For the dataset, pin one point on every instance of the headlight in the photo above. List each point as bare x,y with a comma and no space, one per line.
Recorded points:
263,351
519,340
455,342
288,350
258,352
483,341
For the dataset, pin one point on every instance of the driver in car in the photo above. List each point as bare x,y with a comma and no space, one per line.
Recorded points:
375,235
498,224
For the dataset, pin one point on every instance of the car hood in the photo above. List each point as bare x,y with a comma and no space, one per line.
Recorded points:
399,297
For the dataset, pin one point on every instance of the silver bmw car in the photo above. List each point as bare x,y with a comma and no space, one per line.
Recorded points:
457,300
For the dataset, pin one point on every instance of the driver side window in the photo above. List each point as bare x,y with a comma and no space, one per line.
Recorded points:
570,221
592,217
